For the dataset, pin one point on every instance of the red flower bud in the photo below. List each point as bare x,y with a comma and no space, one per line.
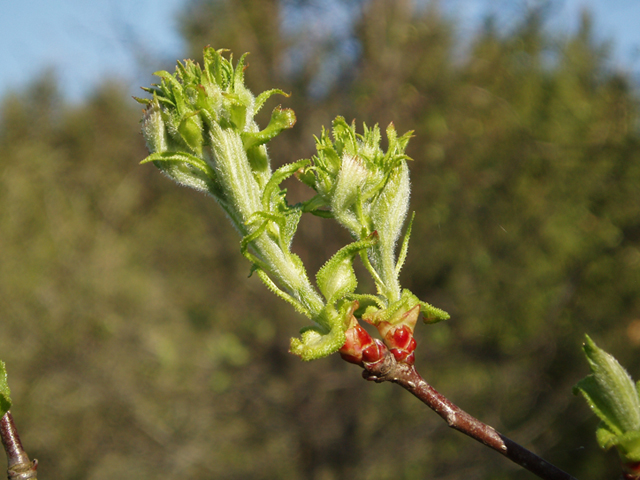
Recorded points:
399,336
359,347
373,353
630,470
358,339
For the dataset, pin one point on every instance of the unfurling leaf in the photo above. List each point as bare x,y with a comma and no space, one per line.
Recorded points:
5,393
613,397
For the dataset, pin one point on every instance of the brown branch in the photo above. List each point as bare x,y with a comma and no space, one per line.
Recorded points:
19,465
407,377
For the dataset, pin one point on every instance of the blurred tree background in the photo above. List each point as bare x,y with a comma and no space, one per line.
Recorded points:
137,348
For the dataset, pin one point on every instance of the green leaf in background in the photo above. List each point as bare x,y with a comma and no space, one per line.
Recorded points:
613,397
5,393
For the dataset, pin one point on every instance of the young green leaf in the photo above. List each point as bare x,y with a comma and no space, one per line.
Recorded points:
336,278
5,393
610,391
328,336
613,397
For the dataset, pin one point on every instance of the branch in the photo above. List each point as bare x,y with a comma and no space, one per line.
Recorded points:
407,377
19,465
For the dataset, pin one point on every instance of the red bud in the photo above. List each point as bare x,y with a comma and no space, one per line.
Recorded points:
372,353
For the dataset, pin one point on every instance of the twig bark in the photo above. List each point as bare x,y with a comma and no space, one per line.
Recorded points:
407,377
19,465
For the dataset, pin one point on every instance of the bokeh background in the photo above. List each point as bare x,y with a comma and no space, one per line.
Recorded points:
138,348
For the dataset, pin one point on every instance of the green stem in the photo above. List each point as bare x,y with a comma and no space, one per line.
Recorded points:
285,272
383,261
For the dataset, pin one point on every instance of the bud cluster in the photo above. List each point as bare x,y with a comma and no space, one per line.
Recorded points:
359,348
399,337
200,130
366,190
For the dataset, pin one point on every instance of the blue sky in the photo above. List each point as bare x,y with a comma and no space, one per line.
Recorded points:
84,41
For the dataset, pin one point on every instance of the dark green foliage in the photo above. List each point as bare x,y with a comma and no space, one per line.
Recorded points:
137,347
